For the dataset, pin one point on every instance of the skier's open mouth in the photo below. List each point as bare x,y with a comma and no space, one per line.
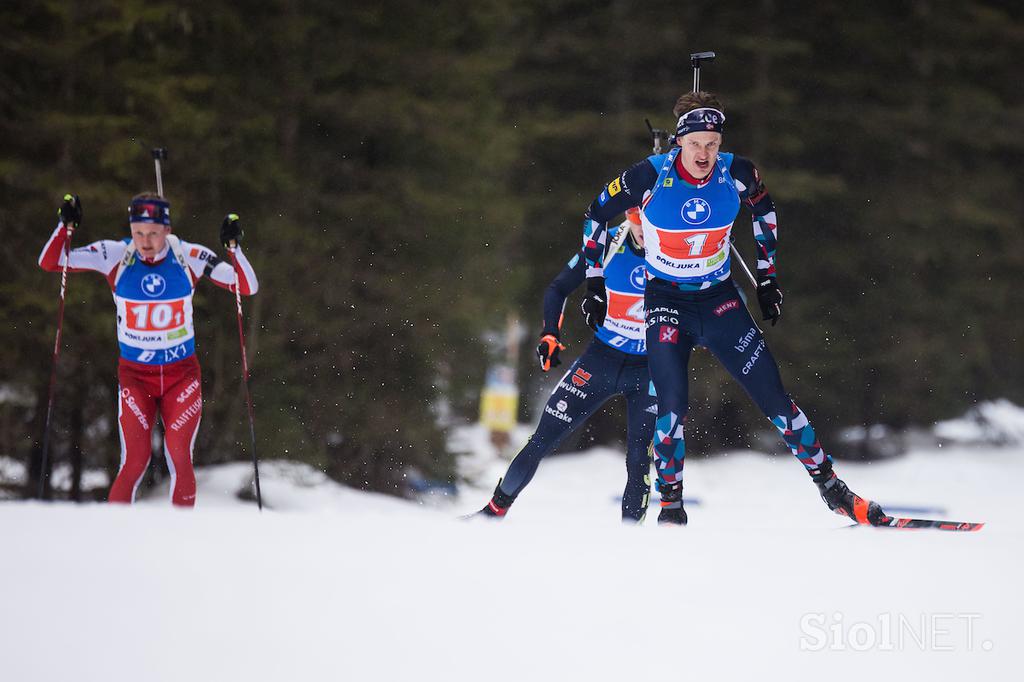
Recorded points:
703,165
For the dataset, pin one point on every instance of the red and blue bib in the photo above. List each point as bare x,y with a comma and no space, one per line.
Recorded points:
154,311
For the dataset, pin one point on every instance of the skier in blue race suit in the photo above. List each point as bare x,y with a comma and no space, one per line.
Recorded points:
690,198
615,363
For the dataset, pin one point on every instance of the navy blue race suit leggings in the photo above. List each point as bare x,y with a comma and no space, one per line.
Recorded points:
716,318
598,374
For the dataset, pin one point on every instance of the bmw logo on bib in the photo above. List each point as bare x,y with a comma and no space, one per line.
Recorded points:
153,284
696,211
638,278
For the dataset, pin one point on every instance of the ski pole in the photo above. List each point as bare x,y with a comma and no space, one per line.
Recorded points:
245,375
614,246
742,262
56,355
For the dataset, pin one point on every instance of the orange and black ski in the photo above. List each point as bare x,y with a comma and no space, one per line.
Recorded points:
916,524
868,513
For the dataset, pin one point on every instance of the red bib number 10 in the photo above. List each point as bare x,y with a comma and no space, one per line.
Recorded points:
146,317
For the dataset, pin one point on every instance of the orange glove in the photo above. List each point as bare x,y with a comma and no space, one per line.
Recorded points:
547,351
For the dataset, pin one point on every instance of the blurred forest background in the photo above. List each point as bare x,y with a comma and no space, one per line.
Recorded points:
409,173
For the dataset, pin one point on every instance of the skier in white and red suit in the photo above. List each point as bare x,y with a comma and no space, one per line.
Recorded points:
152,276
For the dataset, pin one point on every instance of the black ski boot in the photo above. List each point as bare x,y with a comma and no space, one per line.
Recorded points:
498,506
672,512
845,502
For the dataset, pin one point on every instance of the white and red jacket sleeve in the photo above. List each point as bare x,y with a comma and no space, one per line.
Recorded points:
102,256
203,261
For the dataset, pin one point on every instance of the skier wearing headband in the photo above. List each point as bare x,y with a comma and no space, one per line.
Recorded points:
690,198
615,363
152,276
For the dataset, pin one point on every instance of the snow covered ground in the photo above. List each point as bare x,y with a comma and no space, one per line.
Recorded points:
334,584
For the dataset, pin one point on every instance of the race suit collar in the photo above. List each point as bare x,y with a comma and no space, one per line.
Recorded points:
158,257
685,176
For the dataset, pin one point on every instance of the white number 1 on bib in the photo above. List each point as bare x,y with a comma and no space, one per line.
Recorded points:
696,243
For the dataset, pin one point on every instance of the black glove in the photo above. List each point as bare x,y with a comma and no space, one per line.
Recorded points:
230,231
70,212
769,296
595,303
547,351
